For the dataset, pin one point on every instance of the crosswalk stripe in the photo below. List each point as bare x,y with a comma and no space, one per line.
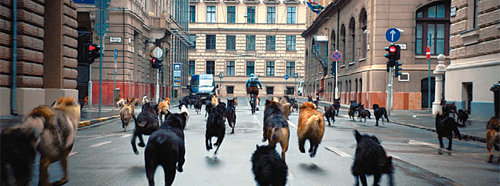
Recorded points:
338,152
291,124
72,153
415,142
126,135
100,144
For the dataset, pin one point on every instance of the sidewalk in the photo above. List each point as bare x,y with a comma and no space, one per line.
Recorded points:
474,130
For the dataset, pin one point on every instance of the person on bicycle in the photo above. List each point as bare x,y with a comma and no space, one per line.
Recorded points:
252,88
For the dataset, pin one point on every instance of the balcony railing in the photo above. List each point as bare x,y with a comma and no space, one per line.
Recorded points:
251,1
291,1
231,1
211,1
271,1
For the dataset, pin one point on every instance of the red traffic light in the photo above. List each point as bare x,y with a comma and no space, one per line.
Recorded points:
154,60
91,47
392,49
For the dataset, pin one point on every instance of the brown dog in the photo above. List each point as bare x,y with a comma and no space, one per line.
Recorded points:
126,114
311,127
163,108
492,137
275,127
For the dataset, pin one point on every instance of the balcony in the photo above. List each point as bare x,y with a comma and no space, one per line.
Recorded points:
159,23
232,1
211,1
271,1
292,2
194,1
251,1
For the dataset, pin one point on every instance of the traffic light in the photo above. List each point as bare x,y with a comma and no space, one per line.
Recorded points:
394,53
94,52
156,63
332,68
397,69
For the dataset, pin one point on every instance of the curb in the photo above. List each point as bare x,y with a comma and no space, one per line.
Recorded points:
466,137
95,121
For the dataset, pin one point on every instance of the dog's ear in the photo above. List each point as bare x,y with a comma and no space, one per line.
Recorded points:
267,102
357,135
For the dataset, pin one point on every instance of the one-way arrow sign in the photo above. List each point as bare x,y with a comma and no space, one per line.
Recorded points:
392,35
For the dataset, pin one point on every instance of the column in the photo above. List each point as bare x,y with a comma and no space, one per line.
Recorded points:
439,72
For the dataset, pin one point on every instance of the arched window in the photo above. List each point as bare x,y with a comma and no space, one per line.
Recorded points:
342,42
332,40
362,24
352,27
433,29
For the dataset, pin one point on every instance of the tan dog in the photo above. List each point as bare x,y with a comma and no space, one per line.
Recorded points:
275,127
121,102
163,108
311,127
215,102
492,137
285,107
126,114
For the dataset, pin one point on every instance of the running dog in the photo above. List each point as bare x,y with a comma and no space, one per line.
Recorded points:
330,114
353,108
145,100
268,168
370,158
275,127
462,116
126,114
197,106
379,112
216,127
231,114
208,107
215,101
336,104
363,113
311,127
145,124
49,130
492,137
444,127
166,148
163,108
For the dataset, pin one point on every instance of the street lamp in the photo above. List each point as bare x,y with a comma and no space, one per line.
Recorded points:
221,75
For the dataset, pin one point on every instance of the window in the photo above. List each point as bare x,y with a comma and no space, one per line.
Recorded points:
269,90
474,17
270,42
251,14
230,68
210,67
290,43
290,68
363,25
210,42
250,42
229,89
433,29
192,39
250,67
352,26
230,42
271,14
192,67
211,14
290,90
192,14
231,14
270,68
290,18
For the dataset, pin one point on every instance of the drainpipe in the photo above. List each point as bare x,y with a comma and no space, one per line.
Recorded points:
13,109
123,54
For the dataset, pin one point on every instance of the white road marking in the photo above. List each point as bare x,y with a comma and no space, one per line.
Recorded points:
393,156
72,153
291,124
126,135
338,152
415,142
100,144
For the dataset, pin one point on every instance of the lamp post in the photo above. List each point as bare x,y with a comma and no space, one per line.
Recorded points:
221,75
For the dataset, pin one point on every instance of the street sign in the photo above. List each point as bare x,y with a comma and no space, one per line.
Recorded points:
158,52
115,39
177,74
296,75
337,55
392,35
116,53
286,77
428,52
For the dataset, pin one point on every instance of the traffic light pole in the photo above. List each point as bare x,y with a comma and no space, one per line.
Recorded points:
336,81
390,92
157,91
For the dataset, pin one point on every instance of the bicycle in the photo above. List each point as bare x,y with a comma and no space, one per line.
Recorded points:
253,102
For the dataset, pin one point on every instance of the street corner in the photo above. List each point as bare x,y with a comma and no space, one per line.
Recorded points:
92,122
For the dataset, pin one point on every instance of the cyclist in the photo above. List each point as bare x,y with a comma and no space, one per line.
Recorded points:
251,85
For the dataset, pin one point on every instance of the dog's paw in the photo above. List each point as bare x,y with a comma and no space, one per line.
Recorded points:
136,152
179,169
141,144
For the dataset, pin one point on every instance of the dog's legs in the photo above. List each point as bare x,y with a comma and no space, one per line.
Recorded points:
134,148
169,172
314,149
44,172
490,140
64,165
141,141
328,119
385,114
218,143
449,142
181,159
284,147
301,145
150,170
357,181
440,141
362,177
208,143
376,122
376,179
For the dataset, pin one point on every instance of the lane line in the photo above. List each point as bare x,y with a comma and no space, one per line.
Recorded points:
126,135
72,153
338,152
291,124
100,144
415,142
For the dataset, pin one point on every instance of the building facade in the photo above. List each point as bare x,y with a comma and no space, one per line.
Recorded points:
44,51
241,37
475,57
357,29
136,27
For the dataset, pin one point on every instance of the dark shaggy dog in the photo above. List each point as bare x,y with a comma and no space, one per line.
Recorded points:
370,158
363,113
353,108
330,113
462,117
197,106
186,101
145,123
336,104
275,127
444,127
231,114
379,112
208,107
166,148
448,108
216,127
268,168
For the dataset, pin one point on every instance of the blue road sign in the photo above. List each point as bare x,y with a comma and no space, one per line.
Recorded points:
392,35
337,55
286,77
116,53
90,2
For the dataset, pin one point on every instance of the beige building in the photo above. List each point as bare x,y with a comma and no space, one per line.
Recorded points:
475,56
240,37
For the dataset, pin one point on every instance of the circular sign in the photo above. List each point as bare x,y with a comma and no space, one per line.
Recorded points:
286,77
428,52
392,35
157,52
337,55
221,75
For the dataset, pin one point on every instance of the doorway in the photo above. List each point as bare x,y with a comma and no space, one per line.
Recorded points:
424,91
467,96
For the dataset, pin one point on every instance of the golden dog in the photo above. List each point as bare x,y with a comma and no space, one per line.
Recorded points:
492,137
126,114
163,108
311,127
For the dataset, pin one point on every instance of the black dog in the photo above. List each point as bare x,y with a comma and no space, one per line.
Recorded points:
379,112
444,127
353,108
330,113
145,123
208,107
370,158
363,113
186,100
231,114
462,117
336,104
166,148
197,106
268,168
216,127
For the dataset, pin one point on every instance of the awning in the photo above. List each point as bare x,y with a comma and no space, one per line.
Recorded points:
321,38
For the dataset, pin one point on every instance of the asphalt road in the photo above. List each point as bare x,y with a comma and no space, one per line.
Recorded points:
103,156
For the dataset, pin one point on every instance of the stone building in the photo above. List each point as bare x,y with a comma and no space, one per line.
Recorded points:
136,27
45,53
240,37
475,56
357,29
